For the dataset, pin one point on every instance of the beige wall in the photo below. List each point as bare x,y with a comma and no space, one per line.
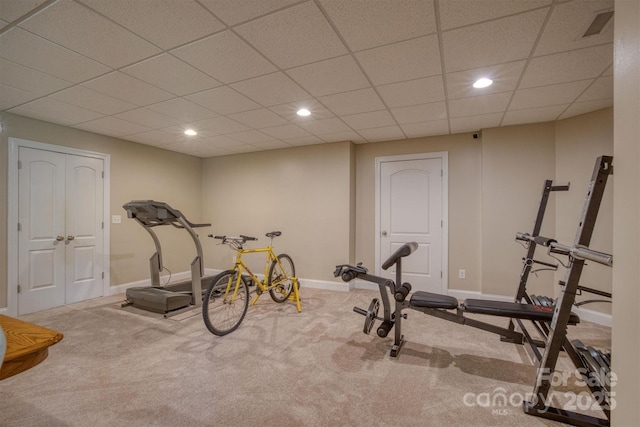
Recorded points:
137,172
305,192
626,213
579,141
516,160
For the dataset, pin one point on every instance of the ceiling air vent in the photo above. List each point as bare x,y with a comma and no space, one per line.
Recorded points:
599,22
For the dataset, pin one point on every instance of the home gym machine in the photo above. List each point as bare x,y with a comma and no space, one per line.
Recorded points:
172,298
549,317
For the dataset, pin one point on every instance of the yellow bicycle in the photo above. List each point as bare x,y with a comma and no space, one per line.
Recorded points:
226,300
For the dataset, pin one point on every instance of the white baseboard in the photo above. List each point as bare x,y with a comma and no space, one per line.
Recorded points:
184,275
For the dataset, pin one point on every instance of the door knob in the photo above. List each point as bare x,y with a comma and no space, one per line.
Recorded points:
384,234
60,238
70,237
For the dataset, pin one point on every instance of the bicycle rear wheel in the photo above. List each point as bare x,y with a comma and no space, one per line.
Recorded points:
225,304
280,274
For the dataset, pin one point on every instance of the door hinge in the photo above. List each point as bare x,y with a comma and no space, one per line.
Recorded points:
18,288
103,274
102,174
441,172
441,223
19,227
19,164
103,225
441,274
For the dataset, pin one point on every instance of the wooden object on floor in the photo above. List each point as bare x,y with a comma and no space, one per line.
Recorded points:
27,345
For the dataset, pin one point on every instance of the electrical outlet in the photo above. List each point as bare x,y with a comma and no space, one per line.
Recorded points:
116,219
462,274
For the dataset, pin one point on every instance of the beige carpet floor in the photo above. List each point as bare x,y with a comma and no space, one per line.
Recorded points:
124,367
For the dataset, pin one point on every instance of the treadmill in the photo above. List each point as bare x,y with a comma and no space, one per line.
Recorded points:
171,298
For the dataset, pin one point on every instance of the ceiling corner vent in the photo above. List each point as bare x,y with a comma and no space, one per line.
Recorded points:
598,24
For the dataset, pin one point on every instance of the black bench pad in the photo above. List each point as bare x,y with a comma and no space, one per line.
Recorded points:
513,309
431,300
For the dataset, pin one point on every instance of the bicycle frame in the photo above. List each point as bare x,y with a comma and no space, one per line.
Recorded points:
240,266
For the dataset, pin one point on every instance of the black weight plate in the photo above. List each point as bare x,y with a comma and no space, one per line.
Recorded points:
372,314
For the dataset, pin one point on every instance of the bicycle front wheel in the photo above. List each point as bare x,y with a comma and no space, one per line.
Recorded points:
280,274
225,303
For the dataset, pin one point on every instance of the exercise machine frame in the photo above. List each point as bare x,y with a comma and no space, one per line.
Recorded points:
553,326
173,298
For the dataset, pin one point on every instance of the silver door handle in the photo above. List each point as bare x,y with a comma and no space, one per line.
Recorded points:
70,237
384,234
60,238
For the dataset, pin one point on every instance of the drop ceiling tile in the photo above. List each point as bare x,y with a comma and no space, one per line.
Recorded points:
330,76
3,24
479,105
503,40
171,74
240,148
233,12
304,140
568,23
402,61
55,112
563,93
387,133
374,119
533,115
324,126
154,137
221,125
12,97
128,89
82,30
289,111
505,78
220,141
366,24
578,108
271,145
413,92
39,54
272,89
420,113
223,100
420,129
148,118
225,57
357,101
112,126
29,80
251,137
167,24
92,100
568,66
459,13
342,136
602,88
182,109
475,123
257,119
10,10
294,36
286,131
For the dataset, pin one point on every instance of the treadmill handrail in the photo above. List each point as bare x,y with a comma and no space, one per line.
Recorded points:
147,213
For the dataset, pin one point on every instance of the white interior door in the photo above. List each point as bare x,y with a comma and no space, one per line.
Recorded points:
84,228
60,236
41,241
411,210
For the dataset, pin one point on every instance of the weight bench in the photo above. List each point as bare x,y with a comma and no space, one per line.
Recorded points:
514,310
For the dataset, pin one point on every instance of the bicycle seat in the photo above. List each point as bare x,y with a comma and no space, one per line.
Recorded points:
273,234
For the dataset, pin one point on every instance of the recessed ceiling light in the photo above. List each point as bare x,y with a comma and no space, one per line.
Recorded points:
483,82
190,132
304,112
